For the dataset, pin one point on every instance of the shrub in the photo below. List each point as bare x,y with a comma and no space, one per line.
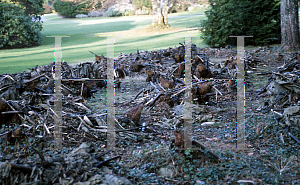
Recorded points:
69,9
143,11
17,28
81,16
139,4
47,8
120,9
127,13
112,13
195,7
259,18
65,8
179,6
95,14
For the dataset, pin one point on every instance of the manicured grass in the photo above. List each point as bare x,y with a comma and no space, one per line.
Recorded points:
131,31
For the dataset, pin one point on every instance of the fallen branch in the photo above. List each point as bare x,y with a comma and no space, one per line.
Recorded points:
156,89
294,137
22,168
205,149
12,112
161,87
32,79
154,100
12,108
217,90
142,90
103,163
83,106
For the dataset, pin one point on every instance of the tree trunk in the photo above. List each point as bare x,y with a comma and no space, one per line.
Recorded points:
289,24
166,7
160,11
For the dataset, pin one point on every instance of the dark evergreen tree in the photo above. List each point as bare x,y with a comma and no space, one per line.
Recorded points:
70,9
260,18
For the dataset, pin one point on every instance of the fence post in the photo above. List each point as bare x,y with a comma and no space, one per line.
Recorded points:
57,90
240,124
110,94
188,119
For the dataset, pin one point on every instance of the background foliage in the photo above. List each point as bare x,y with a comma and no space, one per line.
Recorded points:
16,26
259,18
32,7
47,9
140,3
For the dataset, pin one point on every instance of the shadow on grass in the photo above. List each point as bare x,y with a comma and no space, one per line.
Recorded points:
161,35
84,38
74,27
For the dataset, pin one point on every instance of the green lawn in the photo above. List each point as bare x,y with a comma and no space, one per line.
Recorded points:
84,37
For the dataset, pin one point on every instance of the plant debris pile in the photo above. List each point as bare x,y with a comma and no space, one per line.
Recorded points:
149,128
283,88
